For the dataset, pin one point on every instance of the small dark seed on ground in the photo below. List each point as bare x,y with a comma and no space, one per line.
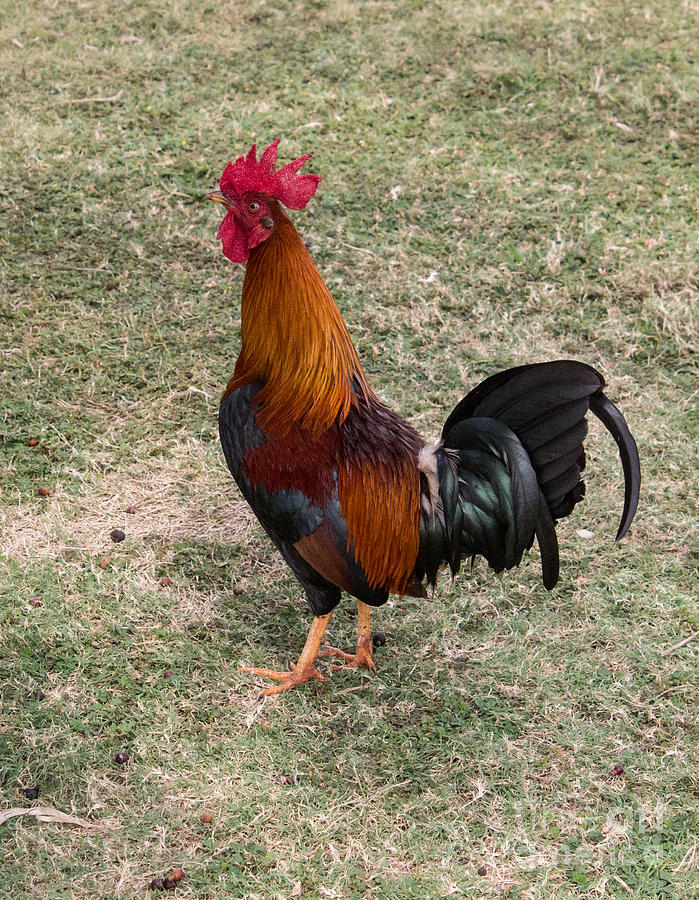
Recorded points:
117,535
165,582
168,674
189,374
618,769
31,793
122,757
111,286
104,562
40,695
32,442
169,883
130,510
44,492
483,870
206,817
379,639
177,874
36,601
156,884
238,590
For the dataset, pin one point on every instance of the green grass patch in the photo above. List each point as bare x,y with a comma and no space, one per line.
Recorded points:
502,182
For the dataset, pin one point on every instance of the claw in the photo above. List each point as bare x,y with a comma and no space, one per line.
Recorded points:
288,679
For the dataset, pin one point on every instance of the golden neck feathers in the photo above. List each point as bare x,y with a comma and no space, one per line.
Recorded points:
294,340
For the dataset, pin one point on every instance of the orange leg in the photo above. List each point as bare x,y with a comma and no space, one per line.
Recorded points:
305,669
362,659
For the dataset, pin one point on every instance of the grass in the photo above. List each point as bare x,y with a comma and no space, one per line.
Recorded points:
503,182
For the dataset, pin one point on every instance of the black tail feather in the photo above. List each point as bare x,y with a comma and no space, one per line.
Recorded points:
616,425
542,408
486,503
548,545
515,395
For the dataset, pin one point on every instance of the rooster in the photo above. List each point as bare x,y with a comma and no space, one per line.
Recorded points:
349,493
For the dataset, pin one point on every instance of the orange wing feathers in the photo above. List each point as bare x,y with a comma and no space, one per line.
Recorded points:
381,505
377,483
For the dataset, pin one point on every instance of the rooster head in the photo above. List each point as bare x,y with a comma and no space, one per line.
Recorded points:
248,189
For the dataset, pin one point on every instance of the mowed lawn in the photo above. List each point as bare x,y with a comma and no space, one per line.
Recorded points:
503,182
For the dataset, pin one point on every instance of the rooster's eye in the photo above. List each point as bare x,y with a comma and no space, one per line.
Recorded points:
253,207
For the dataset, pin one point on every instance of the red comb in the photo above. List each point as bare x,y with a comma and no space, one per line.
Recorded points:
249,174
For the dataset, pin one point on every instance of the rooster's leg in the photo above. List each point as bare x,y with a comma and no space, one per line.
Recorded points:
362,659
305,669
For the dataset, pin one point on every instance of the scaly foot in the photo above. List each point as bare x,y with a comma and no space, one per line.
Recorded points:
288,680
305,669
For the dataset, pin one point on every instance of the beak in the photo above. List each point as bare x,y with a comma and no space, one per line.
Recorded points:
220,197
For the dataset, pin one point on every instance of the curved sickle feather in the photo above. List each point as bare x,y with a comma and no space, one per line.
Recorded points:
548,544
615,423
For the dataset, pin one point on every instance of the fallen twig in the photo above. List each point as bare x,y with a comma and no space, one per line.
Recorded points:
97,99
687,640
45,814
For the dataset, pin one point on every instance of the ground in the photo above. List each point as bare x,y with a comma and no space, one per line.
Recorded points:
502,182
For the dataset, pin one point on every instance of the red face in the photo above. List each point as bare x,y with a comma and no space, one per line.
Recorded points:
250,188
247,223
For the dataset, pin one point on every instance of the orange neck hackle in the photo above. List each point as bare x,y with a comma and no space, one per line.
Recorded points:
294,339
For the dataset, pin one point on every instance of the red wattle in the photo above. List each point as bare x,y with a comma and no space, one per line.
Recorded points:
234,239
